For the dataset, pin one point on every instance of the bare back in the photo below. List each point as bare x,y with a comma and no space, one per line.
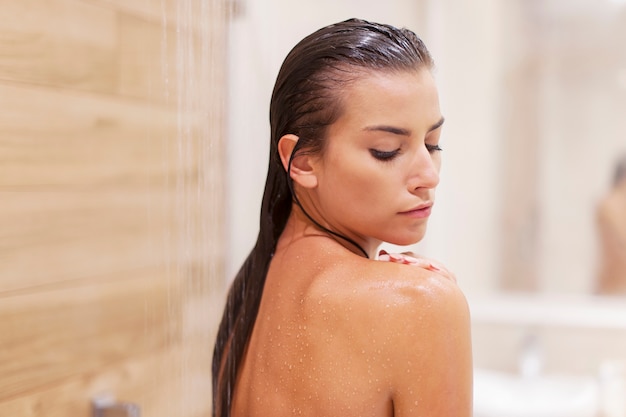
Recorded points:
341,335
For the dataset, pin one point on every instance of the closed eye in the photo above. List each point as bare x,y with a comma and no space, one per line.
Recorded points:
384,155
433,148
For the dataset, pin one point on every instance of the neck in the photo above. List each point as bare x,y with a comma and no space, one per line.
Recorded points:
301,225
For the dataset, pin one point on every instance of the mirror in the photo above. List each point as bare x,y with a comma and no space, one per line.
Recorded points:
563,129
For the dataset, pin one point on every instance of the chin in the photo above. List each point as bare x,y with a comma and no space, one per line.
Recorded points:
408,239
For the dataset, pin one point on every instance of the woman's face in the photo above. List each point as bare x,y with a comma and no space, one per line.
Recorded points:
380,166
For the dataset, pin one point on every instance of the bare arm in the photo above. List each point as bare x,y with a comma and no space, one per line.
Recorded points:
432,370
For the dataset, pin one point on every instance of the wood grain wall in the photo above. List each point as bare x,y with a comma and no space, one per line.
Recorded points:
110,203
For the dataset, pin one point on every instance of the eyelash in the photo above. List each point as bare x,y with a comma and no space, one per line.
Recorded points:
389,155
433,148
384,155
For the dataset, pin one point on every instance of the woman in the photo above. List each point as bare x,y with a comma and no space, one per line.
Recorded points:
611,222
313,325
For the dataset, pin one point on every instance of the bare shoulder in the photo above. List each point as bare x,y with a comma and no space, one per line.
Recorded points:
400,303
429,332
402,292
416,302
411,329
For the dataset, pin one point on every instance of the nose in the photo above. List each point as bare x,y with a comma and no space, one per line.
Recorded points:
424,173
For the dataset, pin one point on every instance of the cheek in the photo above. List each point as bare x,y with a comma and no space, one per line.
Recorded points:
362,189
345,185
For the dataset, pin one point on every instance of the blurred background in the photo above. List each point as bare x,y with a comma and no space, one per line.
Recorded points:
133,152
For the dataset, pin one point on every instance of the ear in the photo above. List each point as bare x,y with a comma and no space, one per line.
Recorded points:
302,171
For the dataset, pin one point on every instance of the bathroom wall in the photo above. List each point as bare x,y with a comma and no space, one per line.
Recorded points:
465,39
110,199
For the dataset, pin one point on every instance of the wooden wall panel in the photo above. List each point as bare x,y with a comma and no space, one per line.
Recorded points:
172,13
64,43
155,10
49,237
110,204
150,58
53,334
88,140
147,56
162,396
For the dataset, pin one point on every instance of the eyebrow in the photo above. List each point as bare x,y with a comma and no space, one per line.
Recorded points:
400,131
437,125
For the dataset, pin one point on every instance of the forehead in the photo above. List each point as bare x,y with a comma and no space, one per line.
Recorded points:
404,99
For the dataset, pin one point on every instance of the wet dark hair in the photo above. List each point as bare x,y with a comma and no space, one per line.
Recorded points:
306,100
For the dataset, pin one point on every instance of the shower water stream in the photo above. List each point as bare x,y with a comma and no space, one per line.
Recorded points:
194,39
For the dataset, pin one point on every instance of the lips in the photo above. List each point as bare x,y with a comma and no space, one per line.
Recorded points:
418,212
